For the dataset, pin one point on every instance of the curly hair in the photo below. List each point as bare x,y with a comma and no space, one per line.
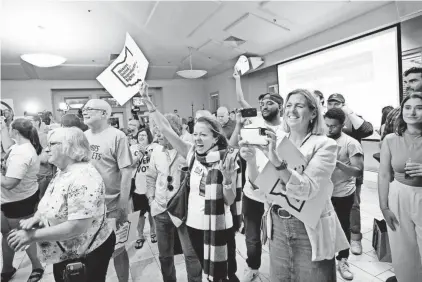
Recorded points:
75,145
400,126
337,114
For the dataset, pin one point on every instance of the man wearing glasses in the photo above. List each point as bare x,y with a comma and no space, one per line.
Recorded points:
112,158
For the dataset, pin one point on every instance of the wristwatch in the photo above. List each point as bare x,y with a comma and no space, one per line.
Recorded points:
282,166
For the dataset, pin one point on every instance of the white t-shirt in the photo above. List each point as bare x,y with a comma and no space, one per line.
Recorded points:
141,169
344,185
23,163
196,203
261,159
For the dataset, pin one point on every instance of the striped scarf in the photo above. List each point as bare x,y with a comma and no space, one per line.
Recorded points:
215,247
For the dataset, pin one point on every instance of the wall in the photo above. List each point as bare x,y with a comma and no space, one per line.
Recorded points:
253,85
176,93
411,34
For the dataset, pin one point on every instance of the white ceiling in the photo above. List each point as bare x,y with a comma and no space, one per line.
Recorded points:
86,32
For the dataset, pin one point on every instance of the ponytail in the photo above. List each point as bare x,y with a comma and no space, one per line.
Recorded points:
28,131
35,140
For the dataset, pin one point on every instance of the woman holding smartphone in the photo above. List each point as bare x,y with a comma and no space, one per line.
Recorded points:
298,252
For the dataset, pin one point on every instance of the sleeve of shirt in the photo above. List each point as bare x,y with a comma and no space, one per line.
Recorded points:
18,164
354,148
307,185
124,155
84,197
365,130
151,175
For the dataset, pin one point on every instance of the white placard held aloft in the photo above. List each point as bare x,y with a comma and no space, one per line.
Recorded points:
123,76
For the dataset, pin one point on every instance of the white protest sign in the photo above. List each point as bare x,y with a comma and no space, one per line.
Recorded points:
268,181
242,65
126,234
123,76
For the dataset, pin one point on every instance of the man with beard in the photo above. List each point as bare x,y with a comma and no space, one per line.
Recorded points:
271,106
356,127
349,166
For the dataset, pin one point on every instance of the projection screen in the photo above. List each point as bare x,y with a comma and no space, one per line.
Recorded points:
365,70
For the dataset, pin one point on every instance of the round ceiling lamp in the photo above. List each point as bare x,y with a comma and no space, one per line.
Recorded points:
190,74
43,60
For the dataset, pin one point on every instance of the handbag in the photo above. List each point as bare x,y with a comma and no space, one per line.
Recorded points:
177,206
75,269
380,241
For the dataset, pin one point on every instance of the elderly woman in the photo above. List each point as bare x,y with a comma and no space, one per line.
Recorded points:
298,252
70,222
401,200
214,188
19,192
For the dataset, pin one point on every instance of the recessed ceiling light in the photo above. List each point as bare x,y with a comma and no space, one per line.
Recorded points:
43,60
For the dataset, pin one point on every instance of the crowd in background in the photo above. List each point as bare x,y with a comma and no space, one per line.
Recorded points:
195,177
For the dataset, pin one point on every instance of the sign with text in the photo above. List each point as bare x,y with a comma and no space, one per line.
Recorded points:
308,211
123,75
126,234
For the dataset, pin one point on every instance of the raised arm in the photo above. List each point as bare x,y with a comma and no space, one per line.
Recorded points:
160,120
239,93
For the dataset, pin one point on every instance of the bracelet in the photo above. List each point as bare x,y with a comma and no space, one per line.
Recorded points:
227,186
153,110
386,208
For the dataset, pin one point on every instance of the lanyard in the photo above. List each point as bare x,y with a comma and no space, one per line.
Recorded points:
304,140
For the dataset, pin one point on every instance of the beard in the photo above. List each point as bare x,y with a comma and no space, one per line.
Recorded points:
271,116
334,136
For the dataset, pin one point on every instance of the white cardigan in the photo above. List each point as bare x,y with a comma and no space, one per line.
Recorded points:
327,237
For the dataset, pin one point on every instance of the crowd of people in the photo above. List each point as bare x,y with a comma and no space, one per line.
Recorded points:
63,182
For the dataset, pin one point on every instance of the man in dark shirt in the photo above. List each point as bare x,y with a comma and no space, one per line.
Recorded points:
356,127
227,124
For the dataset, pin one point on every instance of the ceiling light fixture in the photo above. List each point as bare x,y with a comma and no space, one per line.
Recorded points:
191,73
43,60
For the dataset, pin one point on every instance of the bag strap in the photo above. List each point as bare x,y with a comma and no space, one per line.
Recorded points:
93,238
191,162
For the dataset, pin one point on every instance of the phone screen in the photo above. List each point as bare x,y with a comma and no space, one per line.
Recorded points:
253,136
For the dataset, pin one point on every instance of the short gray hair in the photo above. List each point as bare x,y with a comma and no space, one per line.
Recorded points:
75,145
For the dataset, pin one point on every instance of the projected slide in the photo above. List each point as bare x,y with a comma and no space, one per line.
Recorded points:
364,70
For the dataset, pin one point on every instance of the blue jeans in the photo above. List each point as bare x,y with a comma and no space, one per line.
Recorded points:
252,216
290,254
165,238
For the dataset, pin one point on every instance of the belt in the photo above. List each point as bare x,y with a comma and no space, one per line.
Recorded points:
281,212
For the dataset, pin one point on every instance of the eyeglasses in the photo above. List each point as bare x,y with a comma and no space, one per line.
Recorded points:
51,144
170,181
88,109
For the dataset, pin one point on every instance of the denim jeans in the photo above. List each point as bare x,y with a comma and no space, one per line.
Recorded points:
253,212
290,254
343,208
165,236
355,225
